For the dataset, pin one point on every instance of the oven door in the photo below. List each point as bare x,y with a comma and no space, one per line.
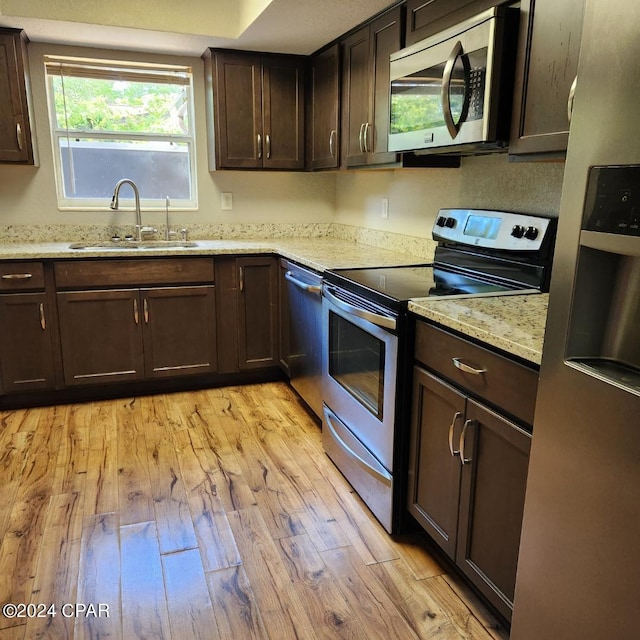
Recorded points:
359,368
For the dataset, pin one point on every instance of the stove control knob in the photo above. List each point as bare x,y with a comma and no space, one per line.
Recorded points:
517,231
531,233
441,221
450,223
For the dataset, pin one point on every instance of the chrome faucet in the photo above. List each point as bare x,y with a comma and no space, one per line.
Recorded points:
140,230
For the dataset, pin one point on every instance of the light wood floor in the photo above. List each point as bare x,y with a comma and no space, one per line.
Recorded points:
208,514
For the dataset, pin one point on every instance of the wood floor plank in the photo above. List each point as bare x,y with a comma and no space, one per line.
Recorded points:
144,605
376,611
172,515
13,633
215,538
55,580
99,577
325,605
72,460
135,501
191,613
278,601
101,494
236,609
414,551
214,409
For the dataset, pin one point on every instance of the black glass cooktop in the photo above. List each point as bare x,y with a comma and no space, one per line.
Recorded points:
399,284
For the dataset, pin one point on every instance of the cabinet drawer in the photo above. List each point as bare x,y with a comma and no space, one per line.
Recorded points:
502,382
21,276
105,273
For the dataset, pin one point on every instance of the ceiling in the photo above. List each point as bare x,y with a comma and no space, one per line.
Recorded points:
188,27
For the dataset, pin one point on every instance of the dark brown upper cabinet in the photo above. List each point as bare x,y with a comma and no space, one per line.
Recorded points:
426,17
365,90
548,50
255,109
323,131
16,145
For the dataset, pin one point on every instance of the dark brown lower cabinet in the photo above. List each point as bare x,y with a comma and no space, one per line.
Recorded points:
257,312
467,481
131,334
26,343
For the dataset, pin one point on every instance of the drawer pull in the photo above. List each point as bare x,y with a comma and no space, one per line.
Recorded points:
43,320
467,424
454,452
136,315
458,364
16,276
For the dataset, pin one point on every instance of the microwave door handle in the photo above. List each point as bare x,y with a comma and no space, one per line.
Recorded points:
446,89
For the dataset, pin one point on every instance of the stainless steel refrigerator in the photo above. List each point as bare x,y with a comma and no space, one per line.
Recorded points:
579,564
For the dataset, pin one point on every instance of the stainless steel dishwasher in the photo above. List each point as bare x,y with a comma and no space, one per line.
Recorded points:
304,289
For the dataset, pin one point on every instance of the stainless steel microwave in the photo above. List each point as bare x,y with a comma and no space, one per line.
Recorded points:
455,88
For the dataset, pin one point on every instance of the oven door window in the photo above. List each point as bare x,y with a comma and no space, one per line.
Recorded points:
356,363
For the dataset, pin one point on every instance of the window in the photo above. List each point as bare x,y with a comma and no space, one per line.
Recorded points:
113,120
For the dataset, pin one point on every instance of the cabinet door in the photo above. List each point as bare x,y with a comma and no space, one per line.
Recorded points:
15,132
547,64
101,336
238,111
494,480
355,96
26,347
257,312
434,473
283,113
324,134
426,17
179,331
385,39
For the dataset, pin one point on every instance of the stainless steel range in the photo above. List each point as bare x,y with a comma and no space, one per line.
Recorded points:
367,339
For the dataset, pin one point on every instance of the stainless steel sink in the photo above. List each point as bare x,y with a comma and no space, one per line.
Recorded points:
134,244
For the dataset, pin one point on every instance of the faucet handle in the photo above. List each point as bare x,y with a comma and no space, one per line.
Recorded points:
184,234
148,231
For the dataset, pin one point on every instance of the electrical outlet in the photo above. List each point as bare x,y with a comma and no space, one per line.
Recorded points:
226,201
385,208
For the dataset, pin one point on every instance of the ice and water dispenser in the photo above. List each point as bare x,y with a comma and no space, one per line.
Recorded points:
604,330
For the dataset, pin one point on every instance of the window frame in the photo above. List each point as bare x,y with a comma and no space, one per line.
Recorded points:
139,71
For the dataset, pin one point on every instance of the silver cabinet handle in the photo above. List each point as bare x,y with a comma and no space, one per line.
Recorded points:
136,315
267,140
463,434
572,95
458,364
241,278
19,136
17,276
310,288
454,452
259,147
145,310
365,137
446,87
380,474
332,143
361,137
388,322
43,320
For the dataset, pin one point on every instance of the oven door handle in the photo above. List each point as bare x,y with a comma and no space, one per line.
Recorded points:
382,475
386,322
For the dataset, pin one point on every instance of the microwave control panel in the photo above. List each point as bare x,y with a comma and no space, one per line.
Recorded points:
612,203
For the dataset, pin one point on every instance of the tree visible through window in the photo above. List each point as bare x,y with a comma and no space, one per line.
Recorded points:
112,120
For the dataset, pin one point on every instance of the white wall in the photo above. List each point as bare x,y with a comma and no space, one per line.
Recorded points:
416,195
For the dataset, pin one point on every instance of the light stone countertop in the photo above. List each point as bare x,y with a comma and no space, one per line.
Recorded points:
513,323
317,253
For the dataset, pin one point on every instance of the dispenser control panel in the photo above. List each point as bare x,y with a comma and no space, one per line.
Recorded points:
613,200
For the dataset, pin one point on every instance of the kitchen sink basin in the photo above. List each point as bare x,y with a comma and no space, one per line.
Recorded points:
134,244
